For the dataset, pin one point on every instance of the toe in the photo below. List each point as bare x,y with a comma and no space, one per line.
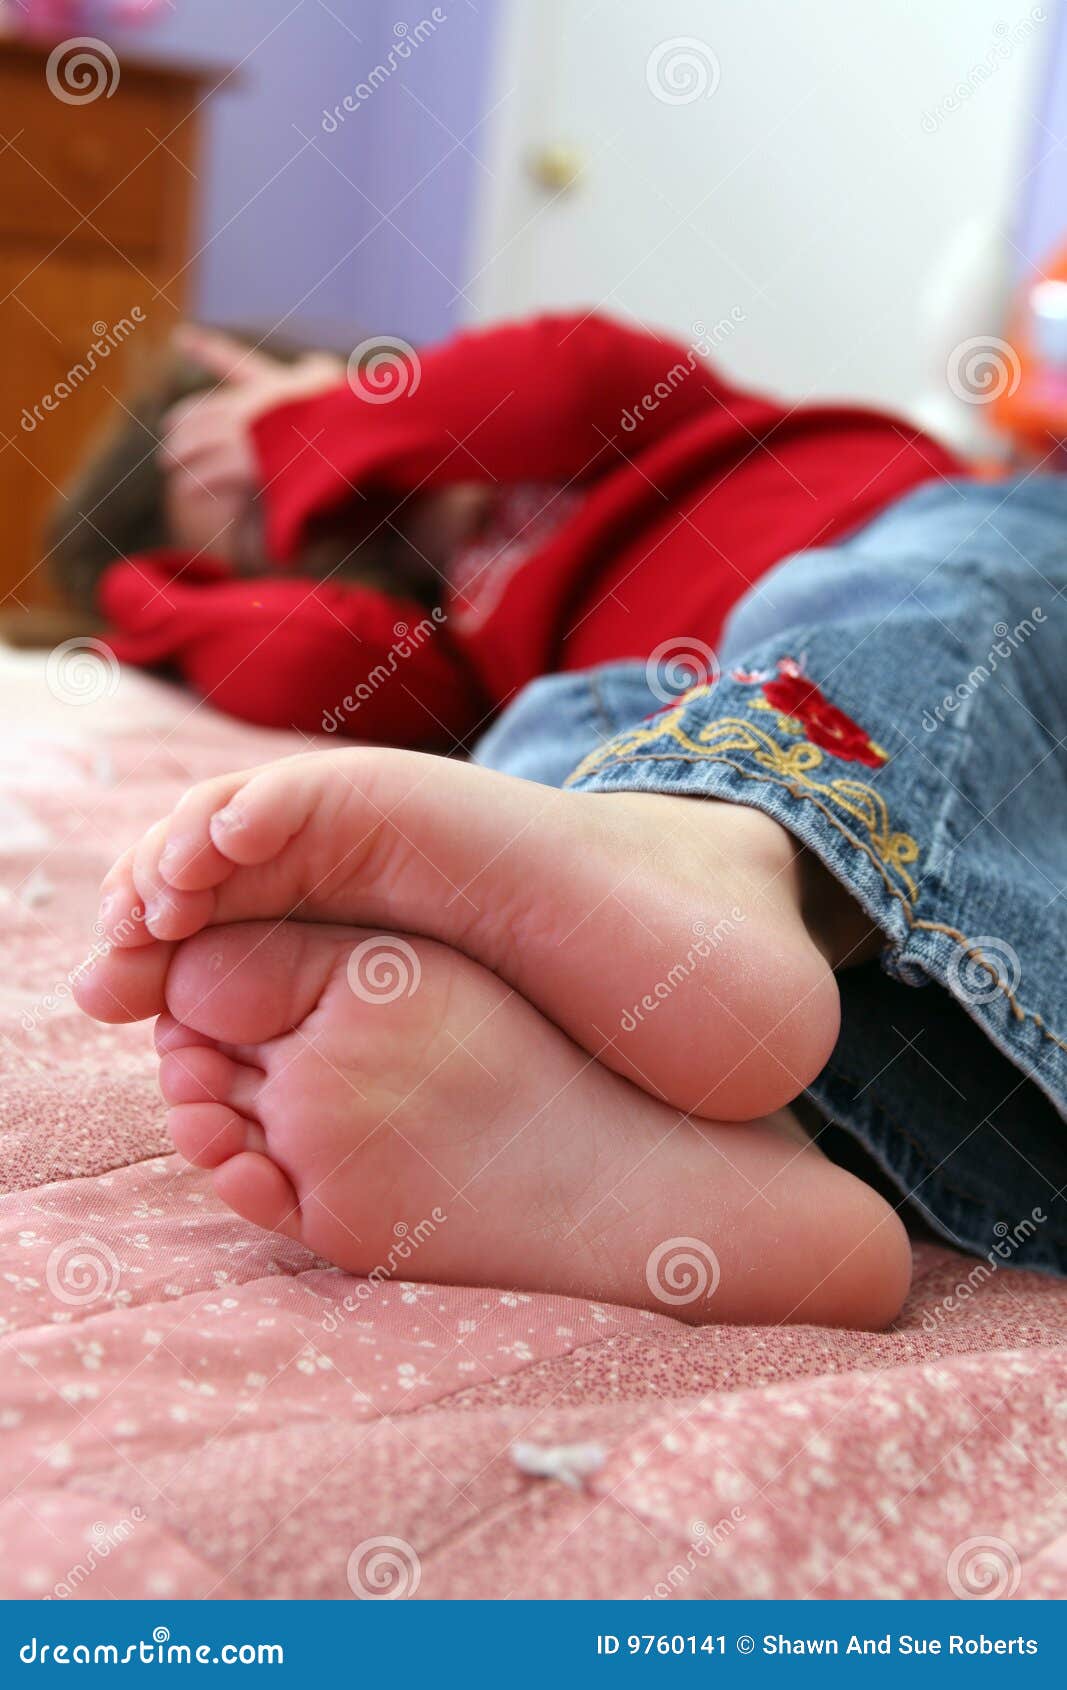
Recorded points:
120,917
269,810
257,1190
168,913
208,1134
188,860
171,1034
123,985
200,1074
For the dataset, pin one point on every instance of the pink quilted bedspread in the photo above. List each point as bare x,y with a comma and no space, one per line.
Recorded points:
182,1414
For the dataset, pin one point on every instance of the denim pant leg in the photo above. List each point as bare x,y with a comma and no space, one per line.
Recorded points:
559,719
898,703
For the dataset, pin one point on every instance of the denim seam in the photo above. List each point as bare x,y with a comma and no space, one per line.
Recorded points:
913,921
608,727
960,744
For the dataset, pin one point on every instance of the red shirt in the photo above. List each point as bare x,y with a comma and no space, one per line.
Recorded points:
639,496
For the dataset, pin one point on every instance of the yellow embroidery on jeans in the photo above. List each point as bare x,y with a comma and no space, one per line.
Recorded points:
665,725
792,765
788,724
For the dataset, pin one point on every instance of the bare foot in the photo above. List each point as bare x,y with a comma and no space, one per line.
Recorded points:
350,1089
668,937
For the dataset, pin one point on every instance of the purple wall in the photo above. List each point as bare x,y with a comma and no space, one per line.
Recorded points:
359,225
1043,218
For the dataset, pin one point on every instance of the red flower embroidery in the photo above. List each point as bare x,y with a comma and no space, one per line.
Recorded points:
824,724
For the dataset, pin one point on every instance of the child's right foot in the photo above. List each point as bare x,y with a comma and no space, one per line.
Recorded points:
394,1106
665,935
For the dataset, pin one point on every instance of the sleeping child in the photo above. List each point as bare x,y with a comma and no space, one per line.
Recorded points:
530,498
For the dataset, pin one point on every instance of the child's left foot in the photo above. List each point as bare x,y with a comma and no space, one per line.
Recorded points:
394,1106
672,938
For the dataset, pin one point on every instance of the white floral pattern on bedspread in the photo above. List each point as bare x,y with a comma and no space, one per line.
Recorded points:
191,1408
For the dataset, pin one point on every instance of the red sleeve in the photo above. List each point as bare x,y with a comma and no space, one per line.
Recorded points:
296,653
531,401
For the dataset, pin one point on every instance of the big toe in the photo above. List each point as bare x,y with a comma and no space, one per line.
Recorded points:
249,983
124,985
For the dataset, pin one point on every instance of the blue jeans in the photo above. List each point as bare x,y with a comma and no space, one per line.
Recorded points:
898,702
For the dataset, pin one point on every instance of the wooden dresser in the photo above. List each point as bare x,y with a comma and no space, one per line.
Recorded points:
96,202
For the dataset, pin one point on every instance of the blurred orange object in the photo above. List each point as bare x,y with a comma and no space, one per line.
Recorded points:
1032,409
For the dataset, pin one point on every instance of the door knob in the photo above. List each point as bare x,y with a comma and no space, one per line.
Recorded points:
556,166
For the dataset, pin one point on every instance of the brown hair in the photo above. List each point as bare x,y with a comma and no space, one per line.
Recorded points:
114,507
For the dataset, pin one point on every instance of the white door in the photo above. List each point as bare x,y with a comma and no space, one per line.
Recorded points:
826,187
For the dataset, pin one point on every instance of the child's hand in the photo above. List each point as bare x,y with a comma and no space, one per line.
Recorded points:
208,437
